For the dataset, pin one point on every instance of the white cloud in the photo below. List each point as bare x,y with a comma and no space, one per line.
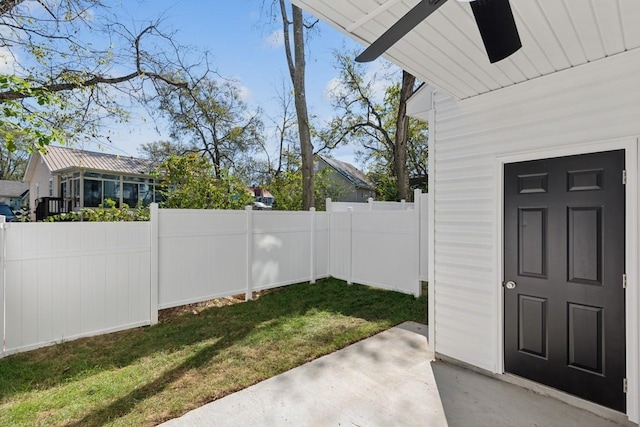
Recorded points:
243,91
274,40
7,61
333,87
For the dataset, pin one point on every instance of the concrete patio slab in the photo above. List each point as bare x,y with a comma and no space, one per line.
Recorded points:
387,380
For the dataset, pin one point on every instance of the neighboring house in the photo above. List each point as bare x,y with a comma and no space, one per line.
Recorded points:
262,196
67,179
12,193
353,183
533,189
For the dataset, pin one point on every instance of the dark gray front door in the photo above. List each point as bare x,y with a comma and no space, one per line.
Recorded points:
564,251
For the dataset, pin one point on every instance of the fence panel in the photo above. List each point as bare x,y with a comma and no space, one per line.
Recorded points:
68,280
202,254
340,245
281,248
385,250
321,246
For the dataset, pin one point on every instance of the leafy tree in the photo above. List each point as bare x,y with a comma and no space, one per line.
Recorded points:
160,151
74,65
393,144
189,182
214,120
286,189
13,163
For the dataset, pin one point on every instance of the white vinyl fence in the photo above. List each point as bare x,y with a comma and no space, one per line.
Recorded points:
206,254
61,281
67,280
379,243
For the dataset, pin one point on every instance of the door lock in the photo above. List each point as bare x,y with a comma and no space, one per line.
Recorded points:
510,285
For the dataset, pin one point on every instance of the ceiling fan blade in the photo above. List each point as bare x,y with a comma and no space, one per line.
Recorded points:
497,28
405,24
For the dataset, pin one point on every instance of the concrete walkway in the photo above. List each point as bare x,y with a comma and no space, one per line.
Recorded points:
386,380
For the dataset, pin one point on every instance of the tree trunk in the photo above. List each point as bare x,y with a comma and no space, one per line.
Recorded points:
402,133
296,62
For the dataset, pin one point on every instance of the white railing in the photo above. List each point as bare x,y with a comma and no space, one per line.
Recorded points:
61,281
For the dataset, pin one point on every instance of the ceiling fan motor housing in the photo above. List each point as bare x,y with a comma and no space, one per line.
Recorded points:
497,28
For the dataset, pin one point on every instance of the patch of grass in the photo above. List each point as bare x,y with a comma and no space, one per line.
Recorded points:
148,375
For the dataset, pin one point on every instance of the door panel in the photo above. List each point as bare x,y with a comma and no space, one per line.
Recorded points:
564,248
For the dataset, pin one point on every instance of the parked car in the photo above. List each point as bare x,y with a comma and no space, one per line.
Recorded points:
260,206
8,213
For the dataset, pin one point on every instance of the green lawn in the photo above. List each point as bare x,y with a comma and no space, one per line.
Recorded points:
148,375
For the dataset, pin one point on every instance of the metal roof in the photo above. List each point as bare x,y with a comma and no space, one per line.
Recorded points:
60,159
350,172
446,50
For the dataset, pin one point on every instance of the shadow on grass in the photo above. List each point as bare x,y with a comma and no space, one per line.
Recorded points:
49,367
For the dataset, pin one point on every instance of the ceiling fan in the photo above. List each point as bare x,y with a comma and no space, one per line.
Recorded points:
493,17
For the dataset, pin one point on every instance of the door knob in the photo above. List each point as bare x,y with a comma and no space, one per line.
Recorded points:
510,285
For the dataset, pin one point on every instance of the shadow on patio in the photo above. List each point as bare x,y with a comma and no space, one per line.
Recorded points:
388,379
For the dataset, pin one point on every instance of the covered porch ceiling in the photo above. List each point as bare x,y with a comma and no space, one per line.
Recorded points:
446,50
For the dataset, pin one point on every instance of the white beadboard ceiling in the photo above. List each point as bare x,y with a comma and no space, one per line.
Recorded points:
446,50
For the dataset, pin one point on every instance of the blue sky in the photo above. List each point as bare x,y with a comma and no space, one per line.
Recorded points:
243,46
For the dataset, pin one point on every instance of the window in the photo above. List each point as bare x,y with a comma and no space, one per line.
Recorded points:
111,191
130,194
51,187
92,193
100,187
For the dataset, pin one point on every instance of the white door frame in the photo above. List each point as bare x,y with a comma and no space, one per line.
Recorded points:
632,326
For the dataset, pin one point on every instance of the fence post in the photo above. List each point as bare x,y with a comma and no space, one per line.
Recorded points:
370,202
329,208
350,210
3,290
417,209
249,293
403,204
312,213
154,288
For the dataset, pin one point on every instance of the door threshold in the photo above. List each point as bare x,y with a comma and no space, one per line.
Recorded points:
543,390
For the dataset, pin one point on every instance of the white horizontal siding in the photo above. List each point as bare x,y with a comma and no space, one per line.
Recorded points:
594,102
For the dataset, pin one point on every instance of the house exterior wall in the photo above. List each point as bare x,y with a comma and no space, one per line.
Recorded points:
569,110
349,192
39,184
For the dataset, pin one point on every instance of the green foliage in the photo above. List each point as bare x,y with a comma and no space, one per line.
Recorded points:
18,119
108,213
72,66
13,163
160,151
386,186
287,190
189,182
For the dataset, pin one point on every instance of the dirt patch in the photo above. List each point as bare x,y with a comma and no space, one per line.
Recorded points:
196,308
